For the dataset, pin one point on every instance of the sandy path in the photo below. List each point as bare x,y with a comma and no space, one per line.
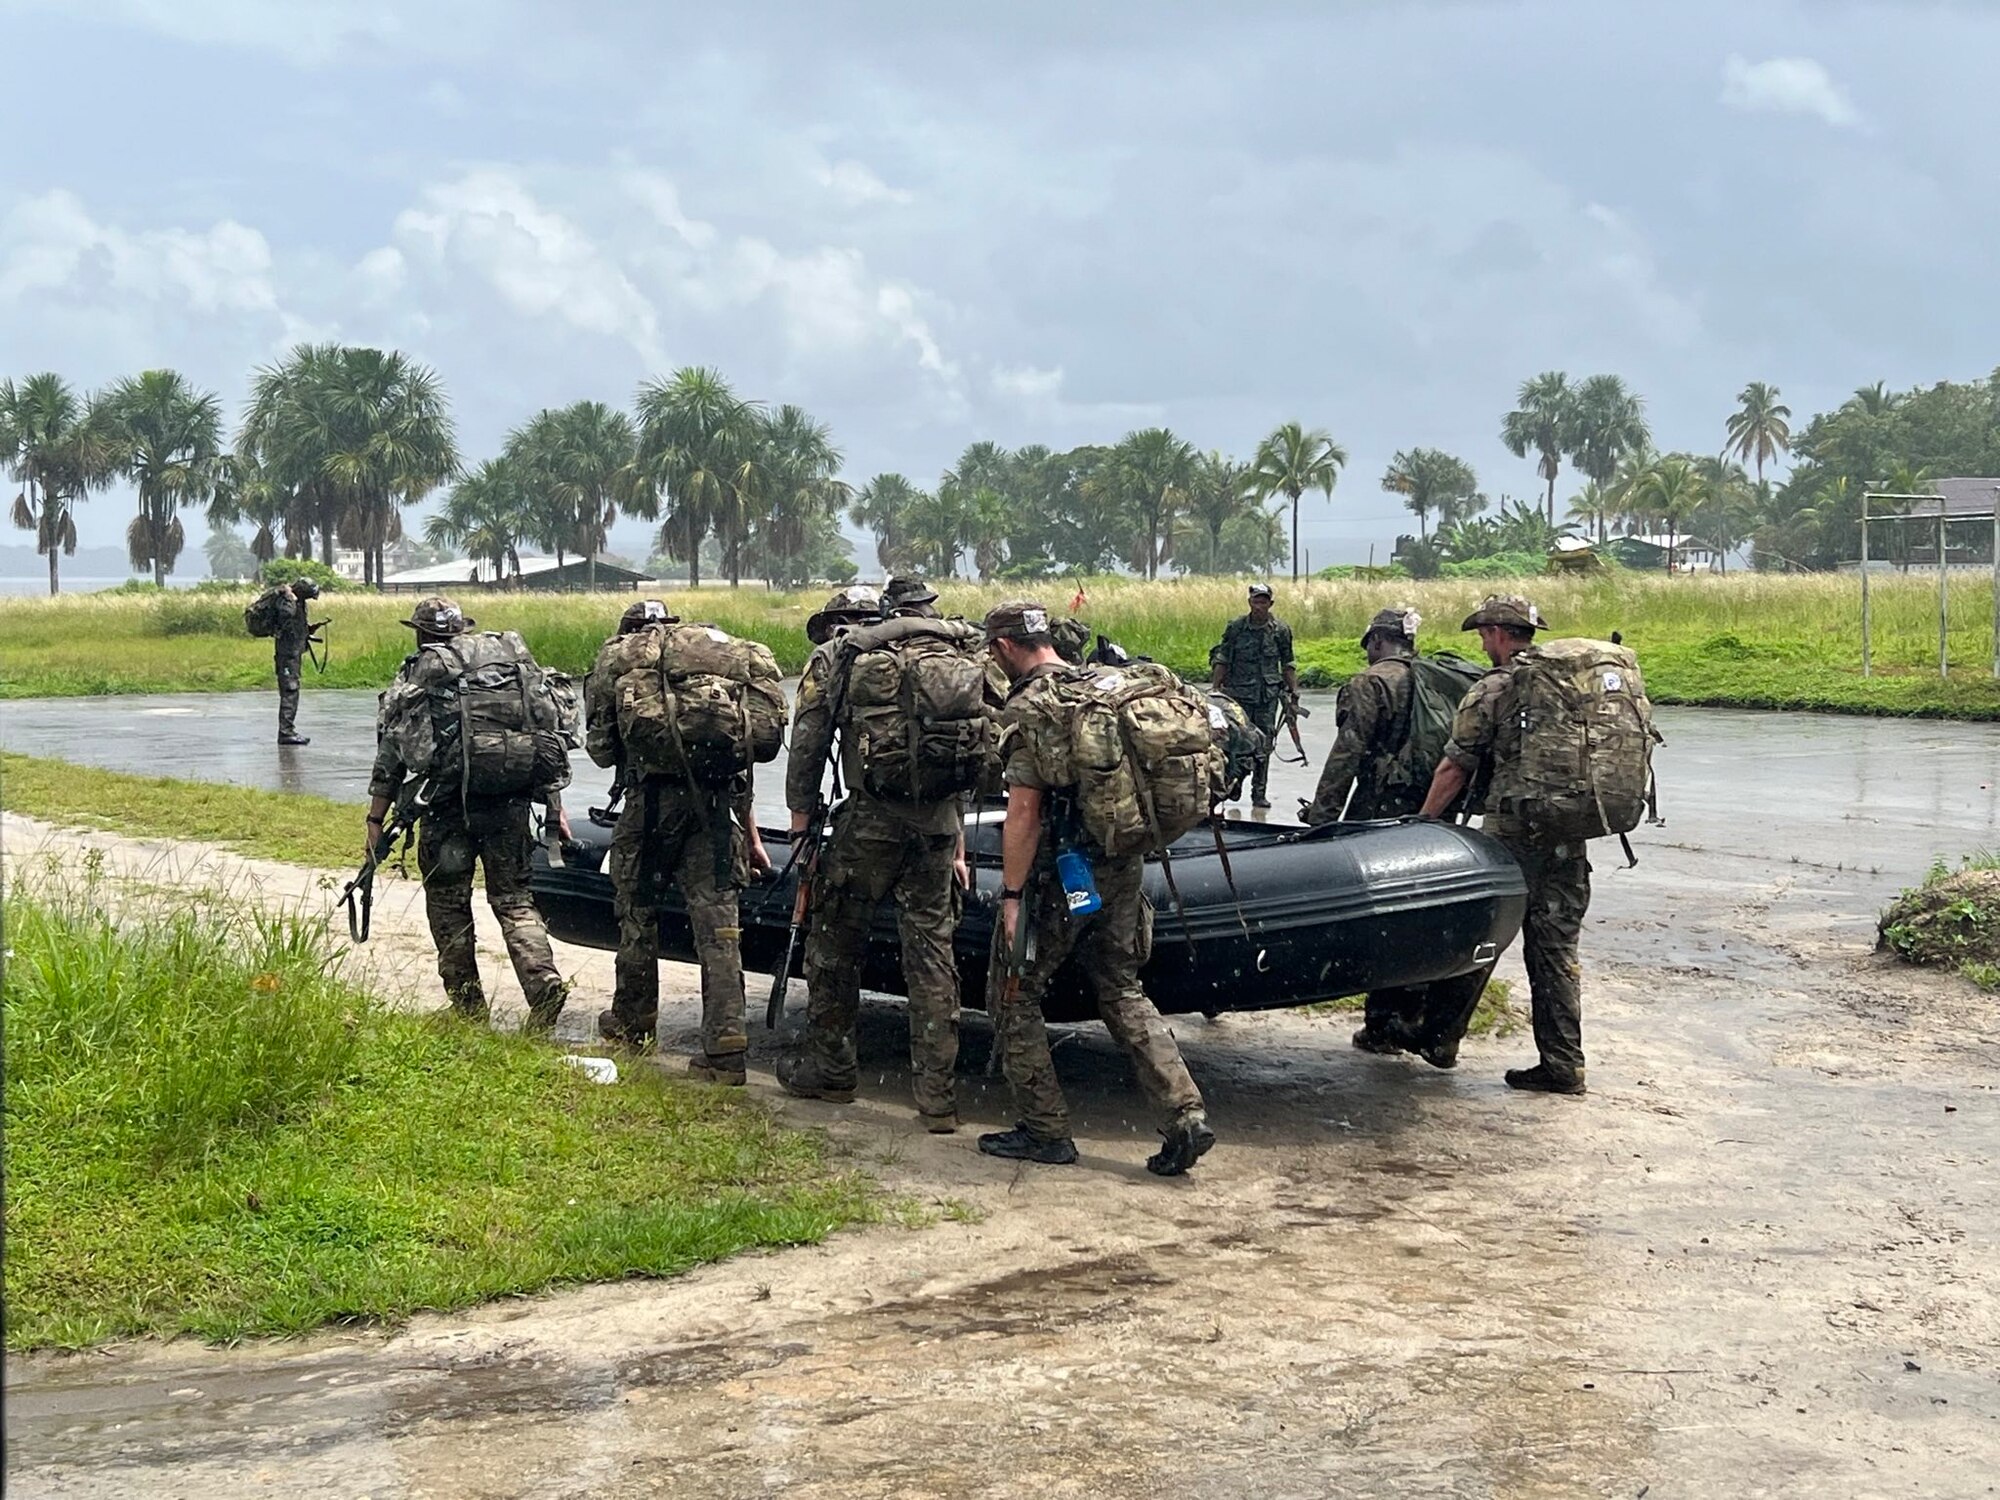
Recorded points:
1757,1259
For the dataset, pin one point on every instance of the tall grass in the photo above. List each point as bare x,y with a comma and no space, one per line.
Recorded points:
210,1130
1745,638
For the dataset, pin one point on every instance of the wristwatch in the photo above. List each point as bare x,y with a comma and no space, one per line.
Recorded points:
1010,893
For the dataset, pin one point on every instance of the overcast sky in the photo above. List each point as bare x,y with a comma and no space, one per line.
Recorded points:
1041,222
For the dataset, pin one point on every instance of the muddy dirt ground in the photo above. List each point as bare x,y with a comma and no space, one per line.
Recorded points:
1758,1259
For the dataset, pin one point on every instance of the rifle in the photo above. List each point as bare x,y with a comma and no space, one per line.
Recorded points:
807,850
1016,961
362,886
316,637
1290,711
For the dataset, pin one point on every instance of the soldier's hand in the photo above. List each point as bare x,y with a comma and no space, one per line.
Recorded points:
760,858
1010,917
562,828
961,871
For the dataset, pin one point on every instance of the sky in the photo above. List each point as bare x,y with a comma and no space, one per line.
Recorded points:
1033,222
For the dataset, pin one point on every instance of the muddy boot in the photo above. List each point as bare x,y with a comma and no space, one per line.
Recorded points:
1543,1079
1368,1039
295,739
1439,1054
945,1124
469,1004
802,1079
624,1033
725,1068
543,1014
1188,1140
1022,1144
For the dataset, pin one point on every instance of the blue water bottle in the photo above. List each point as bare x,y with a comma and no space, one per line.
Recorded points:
1079,885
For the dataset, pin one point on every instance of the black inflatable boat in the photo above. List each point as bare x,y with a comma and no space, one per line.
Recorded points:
1331,911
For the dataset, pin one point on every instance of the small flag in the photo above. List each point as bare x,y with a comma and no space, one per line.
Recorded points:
1078,601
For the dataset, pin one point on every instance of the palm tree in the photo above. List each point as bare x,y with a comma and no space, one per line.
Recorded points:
245,491
1218,492
1544,419
166,437
1729,504
355,434
569,461
1760,427
801,488
1150,471
988,517
1873,400
1291,461
1431,480
1608,423
1668,492
54,444
1592,508
695,436
487,515
936,527
883,506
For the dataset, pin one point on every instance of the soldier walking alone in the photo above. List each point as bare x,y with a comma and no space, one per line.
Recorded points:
1253,664
280,613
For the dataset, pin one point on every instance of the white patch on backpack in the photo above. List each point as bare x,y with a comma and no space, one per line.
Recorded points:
1614,682
1110,683
1217,718
717,635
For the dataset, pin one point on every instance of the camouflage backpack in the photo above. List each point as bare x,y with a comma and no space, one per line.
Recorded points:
477,712
911,708
695,702
261,615
1437,685
1584,767
1240,742
1142,747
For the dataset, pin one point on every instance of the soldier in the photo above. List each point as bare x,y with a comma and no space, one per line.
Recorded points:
1484,736
702,839
288,642
1111,945
1253,664
1365,778
458,829
881,845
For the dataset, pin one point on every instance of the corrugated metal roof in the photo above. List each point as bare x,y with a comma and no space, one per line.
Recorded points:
1961,497
464,570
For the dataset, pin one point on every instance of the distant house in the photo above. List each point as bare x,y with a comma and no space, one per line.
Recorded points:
401,553
538,574
1968,505
1651,550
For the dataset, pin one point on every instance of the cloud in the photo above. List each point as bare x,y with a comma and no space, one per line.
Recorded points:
857,187
539,262
1785,86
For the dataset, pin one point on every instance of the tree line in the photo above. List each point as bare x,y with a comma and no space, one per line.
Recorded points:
337,442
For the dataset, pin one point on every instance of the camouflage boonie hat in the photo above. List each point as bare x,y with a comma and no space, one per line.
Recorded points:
901,591
437,615
646,612
1019,620
858,601
1505,609
1399,620
1072,638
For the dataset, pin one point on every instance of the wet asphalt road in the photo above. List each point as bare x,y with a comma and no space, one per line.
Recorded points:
1818,790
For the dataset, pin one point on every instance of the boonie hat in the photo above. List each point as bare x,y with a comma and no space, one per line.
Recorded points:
901,591
857,600
437,615
1505,609
646,612
1399,619
1017,620
1260,591
1072,638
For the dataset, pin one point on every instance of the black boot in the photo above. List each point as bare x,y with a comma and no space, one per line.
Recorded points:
1543,1079
1188,1140
625,1033
1368,1039
1022,1144
801,1077
289,738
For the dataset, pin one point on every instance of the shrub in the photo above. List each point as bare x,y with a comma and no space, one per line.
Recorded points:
1499,565
285,569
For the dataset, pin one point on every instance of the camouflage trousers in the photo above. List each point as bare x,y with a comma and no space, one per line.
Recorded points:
1109,946
1263,712
1427,1015
666,835
449,845
872,856
287,667
1558,897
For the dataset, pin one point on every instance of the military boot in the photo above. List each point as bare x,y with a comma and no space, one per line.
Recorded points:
614,1028
1187,1141
1369,1039
803,1078
1543,1079
727,1068
1022,1144
288,738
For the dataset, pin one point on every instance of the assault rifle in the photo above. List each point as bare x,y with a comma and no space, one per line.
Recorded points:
316,649
1016,961
1290,711
805,859
358,896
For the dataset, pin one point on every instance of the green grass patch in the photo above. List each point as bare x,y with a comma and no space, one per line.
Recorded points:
210,1131
291,827
1951,921
1748,640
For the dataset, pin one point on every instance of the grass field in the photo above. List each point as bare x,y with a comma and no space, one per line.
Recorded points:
1746,640
210,1131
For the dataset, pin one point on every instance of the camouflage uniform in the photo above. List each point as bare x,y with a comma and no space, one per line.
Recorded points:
455,834
1111,945
671,833
1373,712
1254,659
878,848
1483,735
288,649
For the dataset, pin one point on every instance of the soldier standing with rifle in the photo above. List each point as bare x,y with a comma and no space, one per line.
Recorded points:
1253,664
899,832
291,638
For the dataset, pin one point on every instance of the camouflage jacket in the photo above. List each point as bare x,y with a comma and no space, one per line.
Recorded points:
1373,711
1484,734
1253,657
289,639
